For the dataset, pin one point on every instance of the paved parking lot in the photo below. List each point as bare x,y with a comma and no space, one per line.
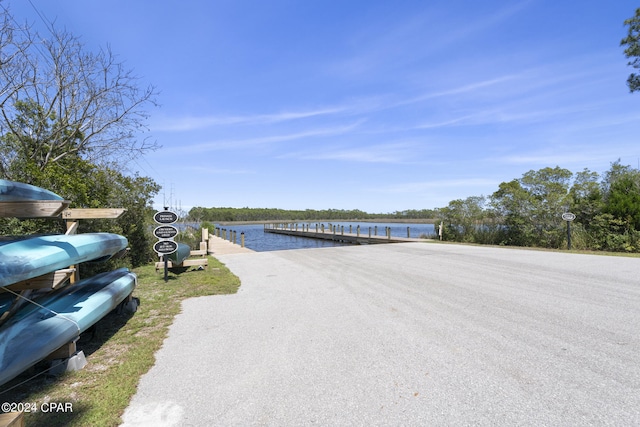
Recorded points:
404,334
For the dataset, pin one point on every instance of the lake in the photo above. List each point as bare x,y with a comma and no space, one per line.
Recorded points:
255,238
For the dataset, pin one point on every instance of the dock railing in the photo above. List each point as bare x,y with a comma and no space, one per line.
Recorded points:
336,232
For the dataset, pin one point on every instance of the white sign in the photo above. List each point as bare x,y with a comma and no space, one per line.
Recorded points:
568,216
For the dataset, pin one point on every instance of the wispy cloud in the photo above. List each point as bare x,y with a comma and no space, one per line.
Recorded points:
489,21
379,153
213,170
243,143
465,89
190,123
501,115
423,35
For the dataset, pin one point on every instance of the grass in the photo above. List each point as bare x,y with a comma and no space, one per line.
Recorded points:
119,351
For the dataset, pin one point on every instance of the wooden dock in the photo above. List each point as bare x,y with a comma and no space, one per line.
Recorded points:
220,246
362,235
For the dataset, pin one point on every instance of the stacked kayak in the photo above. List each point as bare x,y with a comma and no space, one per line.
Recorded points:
46,321
11,191
28,201
36,331
24,258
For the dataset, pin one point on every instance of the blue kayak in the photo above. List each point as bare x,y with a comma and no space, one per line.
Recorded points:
11,191
6,299
24,258
35,332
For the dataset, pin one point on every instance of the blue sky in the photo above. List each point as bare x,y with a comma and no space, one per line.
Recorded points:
371,105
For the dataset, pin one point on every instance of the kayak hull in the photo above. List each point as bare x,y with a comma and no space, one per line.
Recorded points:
11,191
180,254
34,331
26,258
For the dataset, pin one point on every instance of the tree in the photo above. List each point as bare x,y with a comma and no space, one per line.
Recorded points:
462,218
586,197
111,188
532,207
65,116
621,188
549,190
58,100
624,201
615,172
512,204
632,50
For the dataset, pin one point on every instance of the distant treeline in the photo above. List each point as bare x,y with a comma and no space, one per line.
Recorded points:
271,214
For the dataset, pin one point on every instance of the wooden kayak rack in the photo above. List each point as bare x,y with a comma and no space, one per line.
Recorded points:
50,281
49,209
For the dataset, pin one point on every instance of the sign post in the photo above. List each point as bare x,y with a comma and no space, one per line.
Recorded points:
568,216
165,233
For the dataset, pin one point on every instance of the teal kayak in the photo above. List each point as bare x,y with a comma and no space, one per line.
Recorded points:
24,258
11,191
180,254
35,331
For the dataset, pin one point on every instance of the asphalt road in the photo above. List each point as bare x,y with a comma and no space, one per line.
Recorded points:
405,334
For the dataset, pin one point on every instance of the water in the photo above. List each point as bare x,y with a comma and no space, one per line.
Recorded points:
255,238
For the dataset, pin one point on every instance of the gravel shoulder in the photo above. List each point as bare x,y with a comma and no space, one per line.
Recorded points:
404,334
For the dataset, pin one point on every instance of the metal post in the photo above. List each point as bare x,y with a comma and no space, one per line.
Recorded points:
568,216
408,233
166,268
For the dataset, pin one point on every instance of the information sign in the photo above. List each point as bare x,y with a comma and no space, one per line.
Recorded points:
568,216
165,217
165,232
165,247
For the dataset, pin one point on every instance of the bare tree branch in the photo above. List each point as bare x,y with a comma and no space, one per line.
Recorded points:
57,99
